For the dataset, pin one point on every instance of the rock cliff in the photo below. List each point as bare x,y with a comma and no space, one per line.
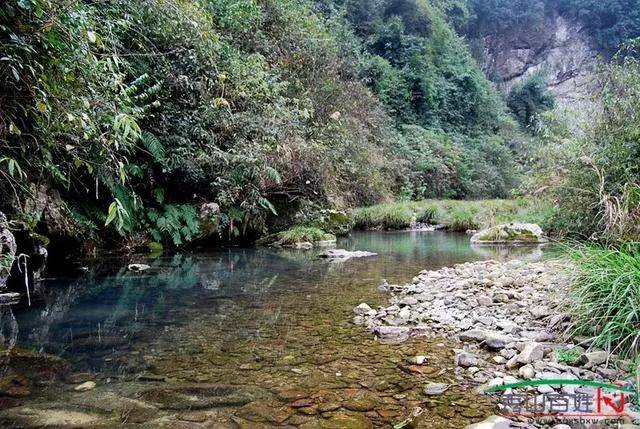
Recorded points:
559,46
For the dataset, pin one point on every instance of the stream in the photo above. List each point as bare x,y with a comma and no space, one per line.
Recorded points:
238,337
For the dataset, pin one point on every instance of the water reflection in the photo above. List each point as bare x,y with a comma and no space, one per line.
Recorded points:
88,317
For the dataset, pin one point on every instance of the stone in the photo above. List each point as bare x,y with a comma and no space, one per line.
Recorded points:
474,335
54,417
362,309
499,359
87,385
595,358
540,311
532,352
409,300
362,402
111,403
432,389
496,341
510,233
466,360
138,267
527,372
340,421
392,334
209,219
545,388
343,255
485,300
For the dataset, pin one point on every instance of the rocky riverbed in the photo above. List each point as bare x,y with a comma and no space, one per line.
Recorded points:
512,325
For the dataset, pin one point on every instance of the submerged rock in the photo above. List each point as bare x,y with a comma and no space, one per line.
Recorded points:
138,267
432,389
510,233
341,254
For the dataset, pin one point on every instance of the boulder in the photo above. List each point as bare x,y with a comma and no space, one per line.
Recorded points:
209,219
336,222
510,233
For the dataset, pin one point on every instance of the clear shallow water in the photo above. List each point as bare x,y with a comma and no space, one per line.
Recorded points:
274,319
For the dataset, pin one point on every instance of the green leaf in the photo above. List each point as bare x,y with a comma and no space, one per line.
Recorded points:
113,208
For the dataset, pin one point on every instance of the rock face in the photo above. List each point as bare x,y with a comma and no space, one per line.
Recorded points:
510,233
559,47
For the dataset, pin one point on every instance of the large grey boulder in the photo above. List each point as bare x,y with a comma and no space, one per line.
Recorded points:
511,233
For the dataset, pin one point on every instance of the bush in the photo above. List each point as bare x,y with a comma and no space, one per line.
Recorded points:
606,291
529,99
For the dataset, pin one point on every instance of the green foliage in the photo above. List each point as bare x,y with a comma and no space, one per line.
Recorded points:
529,99
176,223
567,356
384,216
606,291
461,219
453,214
301,234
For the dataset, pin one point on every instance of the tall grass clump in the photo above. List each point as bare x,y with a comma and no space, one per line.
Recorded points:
385,216
607,291
299,234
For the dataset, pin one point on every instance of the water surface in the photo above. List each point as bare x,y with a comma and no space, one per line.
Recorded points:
276,320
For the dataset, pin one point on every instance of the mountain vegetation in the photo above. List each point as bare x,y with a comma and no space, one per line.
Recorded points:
137,112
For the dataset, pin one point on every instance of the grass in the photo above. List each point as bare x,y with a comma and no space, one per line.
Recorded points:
455,215
299,234
567,356
607,292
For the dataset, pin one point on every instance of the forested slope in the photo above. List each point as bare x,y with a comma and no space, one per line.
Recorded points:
135,113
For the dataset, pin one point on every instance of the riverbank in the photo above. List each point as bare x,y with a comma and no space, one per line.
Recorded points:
512,321
453,215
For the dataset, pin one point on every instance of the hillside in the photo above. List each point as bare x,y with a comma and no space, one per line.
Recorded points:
220,119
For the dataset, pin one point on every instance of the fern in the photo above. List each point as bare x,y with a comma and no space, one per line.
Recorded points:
153,146
177,223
